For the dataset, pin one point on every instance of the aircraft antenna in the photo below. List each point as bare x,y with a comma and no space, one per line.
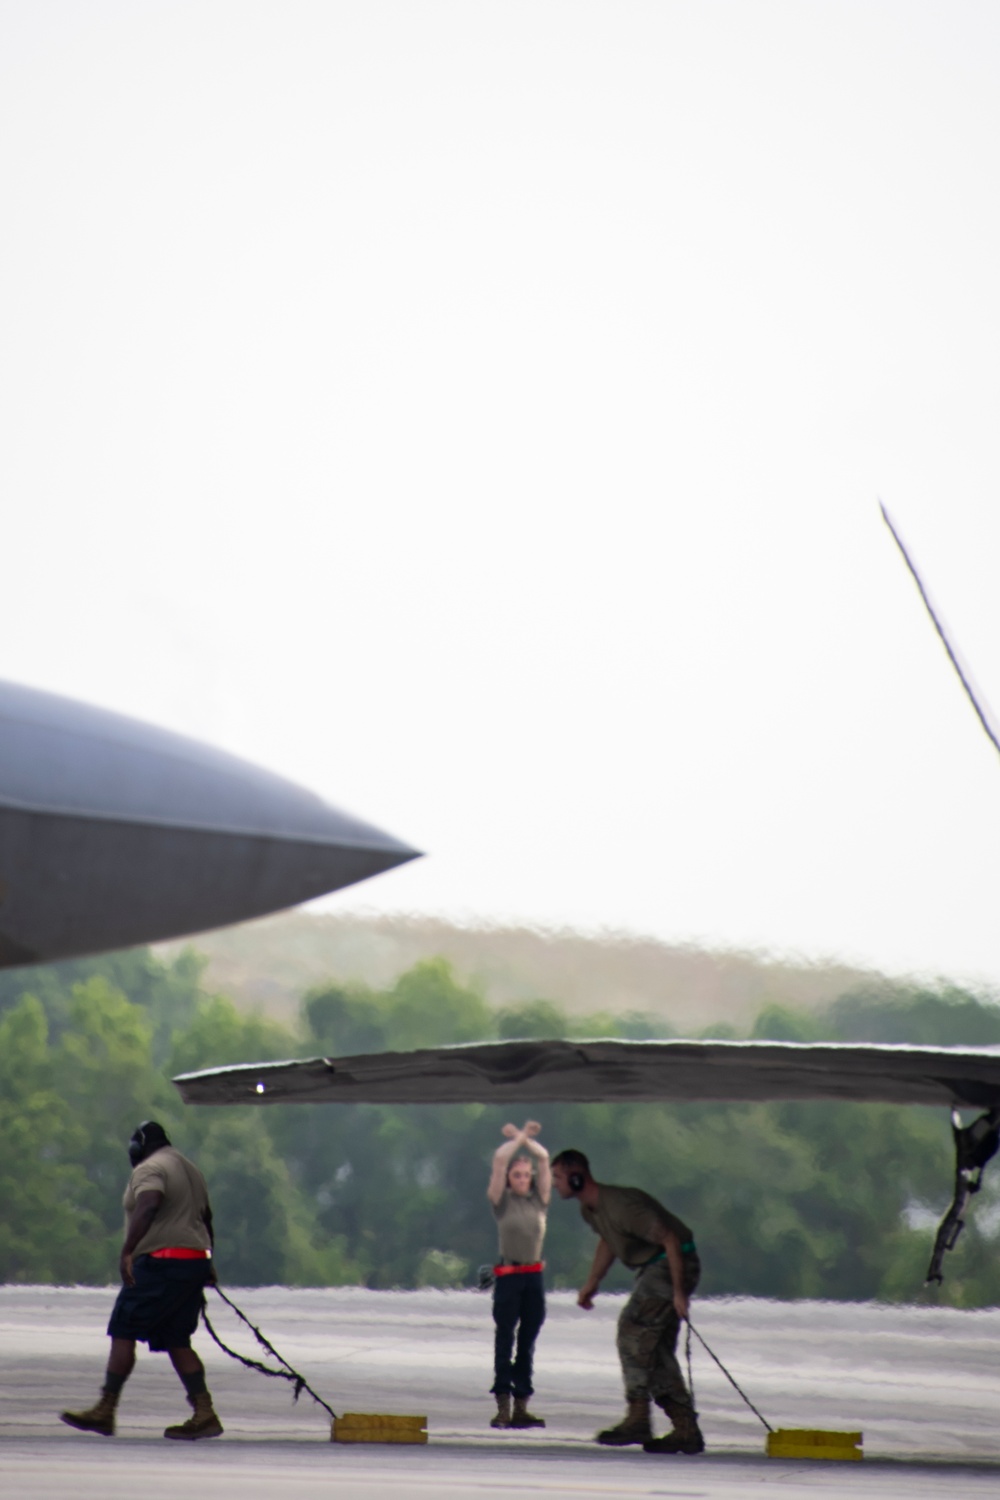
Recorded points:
975,695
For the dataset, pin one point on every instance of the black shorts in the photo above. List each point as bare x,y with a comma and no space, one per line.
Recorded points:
163,1307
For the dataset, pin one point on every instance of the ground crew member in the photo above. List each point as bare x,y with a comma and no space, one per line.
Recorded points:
637,1230
520,1199
165,1264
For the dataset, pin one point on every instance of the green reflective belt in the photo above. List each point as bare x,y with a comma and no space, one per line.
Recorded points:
687,1248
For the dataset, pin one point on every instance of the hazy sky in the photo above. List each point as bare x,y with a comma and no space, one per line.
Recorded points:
477,412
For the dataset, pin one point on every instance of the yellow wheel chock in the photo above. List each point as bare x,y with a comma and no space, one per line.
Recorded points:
378,1427
808,1442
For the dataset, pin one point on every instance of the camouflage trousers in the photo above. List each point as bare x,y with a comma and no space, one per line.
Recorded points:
647,1335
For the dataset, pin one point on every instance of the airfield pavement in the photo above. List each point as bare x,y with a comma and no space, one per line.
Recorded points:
921,1383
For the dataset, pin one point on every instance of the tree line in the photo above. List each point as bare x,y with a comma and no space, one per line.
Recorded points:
786,1200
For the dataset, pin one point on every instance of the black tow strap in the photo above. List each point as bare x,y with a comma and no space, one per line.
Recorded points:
301,1383
287,1373
691,1329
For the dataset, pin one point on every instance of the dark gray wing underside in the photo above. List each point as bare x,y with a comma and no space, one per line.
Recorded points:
582,1072
114,832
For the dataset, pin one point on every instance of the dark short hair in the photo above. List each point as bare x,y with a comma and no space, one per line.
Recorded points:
573,1161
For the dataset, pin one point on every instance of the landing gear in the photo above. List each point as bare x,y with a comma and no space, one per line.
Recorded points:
975,1145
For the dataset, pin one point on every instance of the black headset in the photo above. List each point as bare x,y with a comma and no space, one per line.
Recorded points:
143,1137
576,1181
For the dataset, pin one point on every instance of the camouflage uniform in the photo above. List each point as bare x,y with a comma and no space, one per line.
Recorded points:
632,1225
647,1335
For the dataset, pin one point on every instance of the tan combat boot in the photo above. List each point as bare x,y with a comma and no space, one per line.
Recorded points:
204,1423
98,1418
686,1436
502,1418
522,1416
634,1428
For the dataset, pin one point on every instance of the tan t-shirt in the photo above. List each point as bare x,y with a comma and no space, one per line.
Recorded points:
179,1222
521,1219
633,1224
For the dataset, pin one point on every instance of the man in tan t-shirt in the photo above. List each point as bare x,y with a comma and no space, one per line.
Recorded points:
519,1191
659,1247
165,1264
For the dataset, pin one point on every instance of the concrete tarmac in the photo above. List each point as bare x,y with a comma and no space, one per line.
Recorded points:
921,1383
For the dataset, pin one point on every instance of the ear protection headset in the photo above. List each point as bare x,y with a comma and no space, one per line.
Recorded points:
148,1136
576,1181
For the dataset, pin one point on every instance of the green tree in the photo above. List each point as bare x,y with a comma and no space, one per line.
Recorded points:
266,1227
45,1213
914,1016
532,1018
428,1008
346,1021
786,1200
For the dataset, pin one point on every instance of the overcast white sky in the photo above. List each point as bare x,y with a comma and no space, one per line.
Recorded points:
477,412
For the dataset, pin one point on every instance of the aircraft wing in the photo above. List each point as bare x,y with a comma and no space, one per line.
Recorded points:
582,1072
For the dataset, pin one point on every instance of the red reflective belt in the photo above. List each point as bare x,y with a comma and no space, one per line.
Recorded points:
518,1270
181,1252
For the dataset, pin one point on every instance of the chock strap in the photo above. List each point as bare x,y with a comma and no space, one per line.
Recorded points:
732,1382
299,1381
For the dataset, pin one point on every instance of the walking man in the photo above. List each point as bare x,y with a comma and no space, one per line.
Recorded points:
166,1261
637,1230
520,1198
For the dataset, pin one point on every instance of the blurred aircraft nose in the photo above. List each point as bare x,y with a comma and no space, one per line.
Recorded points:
113,833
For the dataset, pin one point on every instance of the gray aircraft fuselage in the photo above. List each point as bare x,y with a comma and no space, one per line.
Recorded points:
114,833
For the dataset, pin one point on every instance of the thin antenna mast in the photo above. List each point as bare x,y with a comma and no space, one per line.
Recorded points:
975,695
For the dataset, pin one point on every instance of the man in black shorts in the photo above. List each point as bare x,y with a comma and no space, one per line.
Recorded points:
165,1264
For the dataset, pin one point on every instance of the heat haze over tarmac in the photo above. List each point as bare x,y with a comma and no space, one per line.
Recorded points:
920,1383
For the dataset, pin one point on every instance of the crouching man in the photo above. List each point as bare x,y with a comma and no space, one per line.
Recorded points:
165,1264
637,1230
